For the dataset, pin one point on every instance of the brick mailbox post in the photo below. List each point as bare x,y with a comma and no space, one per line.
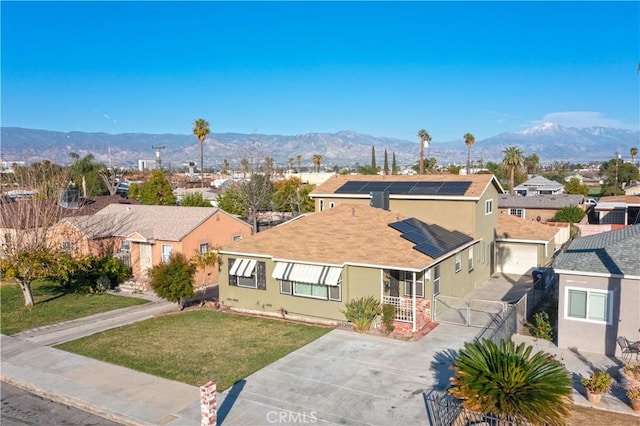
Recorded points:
208,409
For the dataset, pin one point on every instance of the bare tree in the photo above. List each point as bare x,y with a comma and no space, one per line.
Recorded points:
26,221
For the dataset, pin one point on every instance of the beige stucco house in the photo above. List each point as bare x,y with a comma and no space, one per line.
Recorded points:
311,266
599,291
148,235
367,232
465,203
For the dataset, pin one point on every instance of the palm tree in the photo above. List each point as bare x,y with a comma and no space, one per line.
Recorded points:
299,161
509,382
317,161
201,130
290,162
469,140
425,139
634,152
513,159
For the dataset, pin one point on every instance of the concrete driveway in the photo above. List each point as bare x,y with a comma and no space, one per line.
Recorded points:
347,378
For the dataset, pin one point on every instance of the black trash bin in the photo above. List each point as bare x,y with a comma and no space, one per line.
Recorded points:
537,274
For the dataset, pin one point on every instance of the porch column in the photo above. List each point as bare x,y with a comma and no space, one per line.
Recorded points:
413,302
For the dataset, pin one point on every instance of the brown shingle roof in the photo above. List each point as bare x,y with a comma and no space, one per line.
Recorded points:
168,223
627,199
344,234
479,183
514,228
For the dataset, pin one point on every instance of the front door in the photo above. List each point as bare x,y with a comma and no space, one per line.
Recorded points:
145,258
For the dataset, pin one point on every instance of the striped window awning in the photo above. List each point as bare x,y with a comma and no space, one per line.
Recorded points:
299,272
243,267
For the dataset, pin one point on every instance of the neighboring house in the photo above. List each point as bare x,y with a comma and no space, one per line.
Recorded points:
207,194
539,185
24,219
465,203
599,291
633,189
150,234
616,210
523,244
541,208
309,267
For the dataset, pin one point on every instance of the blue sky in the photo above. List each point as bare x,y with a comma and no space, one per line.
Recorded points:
381,68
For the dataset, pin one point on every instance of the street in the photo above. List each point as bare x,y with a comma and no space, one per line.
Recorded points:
20,408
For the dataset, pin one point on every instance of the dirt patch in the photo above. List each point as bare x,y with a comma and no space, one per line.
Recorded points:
581,416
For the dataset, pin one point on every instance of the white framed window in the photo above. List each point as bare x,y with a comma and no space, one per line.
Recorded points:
488,207
167,250
471,258
247,273
458,262
588,305
203,248
66,246
237,237
517,212
321,205
315,291
125,246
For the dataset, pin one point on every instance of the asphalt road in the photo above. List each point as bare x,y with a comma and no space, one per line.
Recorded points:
21,408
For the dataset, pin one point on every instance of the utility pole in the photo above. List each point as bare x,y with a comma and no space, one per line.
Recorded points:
617,168
158,159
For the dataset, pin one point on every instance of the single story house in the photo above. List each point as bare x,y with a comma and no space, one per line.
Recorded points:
541,208
633,189
148,235
311,266
616,210
599,291
539,185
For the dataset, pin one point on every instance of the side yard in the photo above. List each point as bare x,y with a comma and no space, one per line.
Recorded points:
52,306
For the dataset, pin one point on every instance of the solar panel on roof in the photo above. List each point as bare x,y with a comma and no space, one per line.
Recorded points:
376,186
351,187
454,188
405,187
430,250
432,240
401,187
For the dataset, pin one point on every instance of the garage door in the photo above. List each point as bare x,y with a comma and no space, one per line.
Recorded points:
514,258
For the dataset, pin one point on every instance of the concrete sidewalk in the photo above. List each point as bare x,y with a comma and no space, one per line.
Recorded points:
81,327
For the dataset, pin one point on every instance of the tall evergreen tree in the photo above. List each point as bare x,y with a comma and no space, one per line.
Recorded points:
386,162
394,165
374,167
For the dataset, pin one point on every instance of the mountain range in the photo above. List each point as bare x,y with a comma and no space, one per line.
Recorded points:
550,141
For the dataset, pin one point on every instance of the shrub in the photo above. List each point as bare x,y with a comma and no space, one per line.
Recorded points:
388,315
633,393
173,281
362,312
598,382
97,274
512,382
541,327
571,214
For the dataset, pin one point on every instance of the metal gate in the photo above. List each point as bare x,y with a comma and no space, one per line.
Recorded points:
467,312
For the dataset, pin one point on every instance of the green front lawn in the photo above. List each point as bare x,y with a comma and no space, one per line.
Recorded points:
198,346
52,306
